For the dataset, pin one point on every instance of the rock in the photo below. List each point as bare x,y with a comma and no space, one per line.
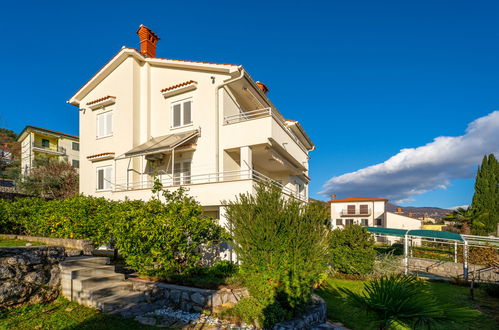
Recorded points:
36,278
29,244
6,272
146,320
198,299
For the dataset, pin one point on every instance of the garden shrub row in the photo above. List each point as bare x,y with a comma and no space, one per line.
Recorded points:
156,238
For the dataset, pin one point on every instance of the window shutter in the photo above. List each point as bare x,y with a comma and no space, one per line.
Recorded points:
363,209
176,174
351,209
187,112
109,123
187,172
100,179
176,115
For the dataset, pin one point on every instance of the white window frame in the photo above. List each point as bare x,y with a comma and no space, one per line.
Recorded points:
180,177
101,115
107,184
181,102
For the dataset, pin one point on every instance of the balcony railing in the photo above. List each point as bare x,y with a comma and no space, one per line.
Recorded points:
39,145
355,213
186,179
261,113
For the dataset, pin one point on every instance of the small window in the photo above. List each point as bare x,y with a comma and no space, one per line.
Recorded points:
104,124
182,113
379,222
104,175
76,163
45,143
339,222
364,222
350,209
348,222
364,209
76,146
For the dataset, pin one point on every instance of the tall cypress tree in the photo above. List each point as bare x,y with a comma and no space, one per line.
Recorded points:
485,204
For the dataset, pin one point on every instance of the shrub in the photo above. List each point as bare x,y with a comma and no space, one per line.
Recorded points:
158,239
387,264
281,245
492,289
251,311
404,300
352,250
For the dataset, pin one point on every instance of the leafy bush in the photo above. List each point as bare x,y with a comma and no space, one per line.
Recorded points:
386,264
405,300
492,289
352,250
251,311
281,245
159,239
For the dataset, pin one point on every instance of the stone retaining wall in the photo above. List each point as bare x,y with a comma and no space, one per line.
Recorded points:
451,269
29,274
186,298
315,314
71,244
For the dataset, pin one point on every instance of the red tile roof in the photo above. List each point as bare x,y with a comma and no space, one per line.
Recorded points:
178,86
357,199
100,99
100,155
171,59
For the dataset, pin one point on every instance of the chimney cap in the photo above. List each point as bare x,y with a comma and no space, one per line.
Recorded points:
142,26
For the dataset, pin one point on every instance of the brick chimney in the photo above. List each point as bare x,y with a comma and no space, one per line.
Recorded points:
399,210
263,87
410,215
333,196
148,41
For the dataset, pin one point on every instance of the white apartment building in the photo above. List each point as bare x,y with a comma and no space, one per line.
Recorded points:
40,144
206,126
369,212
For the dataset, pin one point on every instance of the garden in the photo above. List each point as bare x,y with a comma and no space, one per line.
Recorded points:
286,252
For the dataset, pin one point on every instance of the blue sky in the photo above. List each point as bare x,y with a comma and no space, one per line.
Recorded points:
365,78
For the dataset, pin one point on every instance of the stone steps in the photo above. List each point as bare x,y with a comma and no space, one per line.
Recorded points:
93,282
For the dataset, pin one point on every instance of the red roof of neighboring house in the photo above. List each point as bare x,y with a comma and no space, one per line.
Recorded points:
100,155
358,199
185,83
100,99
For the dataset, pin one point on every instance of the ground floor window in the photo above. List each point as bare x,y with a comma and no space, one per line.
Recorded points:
348,222
76,163
379,222
104,177
364,222
339,222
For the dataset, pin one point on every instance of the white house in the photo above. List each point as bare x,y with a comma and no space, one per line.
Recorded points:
206,126
368,212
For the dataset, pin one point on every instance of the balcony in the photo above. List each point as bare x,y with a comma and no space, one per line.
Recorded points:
208,188
355,213
37,146
239,130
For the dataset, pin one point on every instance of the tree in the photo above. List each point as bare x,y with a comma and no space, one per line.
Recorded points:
53,179
9,162
461,218
485,204
403,300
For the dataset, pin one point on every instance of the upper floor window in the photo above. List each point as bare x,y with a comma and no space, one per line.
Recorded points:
76,146
364,209
104,124
76,163
182,173
182,113
350,209
45,143
104,175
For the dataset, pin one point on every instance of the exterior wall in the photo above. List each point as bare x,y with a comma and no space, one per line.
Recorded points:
401,222
453,270
376,208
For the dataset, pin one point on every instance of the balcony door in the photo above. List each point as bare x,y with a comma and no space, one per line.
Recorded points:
182,173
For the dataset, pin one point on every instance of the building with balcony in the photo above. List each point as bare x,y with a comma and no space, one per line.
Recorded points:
369,212
206,126
41,144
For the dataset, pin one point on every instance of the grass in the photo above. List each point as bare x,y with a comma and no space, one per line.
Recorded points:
15,242
63,314
339,311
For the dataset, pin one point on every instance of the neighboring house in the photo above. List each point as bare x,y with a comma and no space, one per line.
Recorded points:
206,126
5,155
368,212
41,144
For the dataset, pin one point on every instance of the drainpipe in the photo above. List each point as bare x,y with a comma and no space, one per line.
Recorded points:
217,115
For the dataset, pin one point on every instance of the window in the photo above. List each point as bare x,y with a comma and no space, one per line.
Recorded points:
350,209
364,222
379,222
339,222
364,209
104,124
182,113
182,173
76,163
76,146
104,175
348,222
45,143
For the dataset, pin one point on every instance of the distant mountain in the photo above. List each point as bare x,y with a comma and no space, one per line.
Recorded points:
432,212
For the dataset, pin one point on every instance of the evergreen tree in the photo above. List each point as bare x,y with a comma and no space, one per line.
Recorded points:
485,204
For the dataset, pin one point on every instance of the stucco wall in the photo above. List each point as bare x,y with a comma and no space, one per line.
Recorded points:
451,269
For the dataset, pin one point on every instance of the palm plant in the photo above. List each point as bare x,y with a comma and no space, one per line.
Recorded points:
405,300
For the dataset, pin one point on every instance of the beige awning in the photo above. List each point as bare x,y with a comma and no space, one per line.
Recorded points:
162,144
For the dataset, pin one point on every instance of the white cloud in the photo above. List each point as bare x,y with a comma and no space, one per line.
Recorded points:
415,171
459,207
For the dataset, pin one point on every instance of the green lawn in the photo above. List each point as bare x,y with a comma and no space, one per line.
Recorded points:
63,314
15,242
446,293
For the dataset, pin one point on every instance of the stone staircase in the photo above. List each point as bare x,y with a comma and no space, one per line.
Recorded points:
92,281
